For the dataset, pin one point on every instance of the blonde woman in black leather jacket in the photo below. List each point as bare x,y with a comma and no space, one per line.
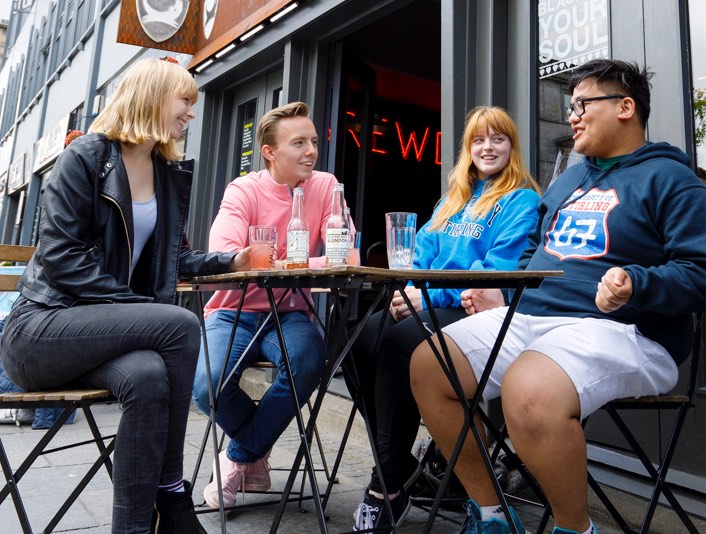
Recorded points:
97,306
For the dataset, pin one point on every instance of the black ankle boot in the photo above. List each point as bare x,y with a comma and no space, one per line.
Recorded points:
176,513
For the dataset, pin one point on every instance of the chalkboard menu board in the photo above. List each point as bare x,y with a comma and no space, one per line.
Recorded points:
247,137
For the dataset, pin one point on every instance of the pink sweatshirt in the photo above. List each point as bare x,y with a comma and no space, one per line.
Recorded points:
258,199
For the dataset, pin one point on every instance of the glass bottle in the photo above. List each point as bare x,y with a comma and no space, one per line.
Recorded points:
298,233
337,230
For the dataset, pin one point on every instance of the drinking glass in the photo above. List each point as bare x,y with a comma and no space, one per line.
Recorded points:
263,243
401,230
354,248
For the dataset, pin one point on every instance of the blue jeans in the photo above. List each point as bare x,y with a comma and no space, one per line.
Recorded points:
254,427
145,354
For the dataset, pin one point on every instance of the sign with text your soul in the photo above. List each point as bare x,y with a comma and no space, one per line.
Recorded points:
571,32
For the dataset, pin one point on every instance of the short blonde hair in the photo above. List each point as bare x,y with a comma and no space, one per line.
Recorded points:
465,174
138,112
267,127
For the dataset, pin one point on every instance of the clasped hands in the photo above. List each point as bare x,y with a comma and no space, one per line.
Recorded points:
612,292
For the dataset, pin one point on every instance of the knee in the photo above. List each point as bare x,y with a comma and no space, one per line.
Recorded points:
527,406
199,390
191,330
422,367
149,381
308,367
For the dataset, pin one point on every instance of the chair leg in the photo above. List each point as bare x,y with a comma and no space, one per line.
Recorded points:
12,489
658,476
12,478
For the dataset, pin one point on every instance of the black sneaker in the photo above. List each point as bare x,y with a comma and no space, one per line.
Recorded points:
372,513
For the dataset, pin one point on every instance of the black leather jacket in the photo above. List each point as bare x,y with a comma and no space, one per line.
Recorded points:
86,232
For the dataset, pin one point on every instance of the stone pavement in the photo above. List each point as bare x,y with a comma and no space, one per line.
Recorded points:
46,485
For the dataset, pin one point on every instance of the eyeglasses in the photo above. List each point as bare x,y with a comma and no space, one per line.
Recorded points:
579,107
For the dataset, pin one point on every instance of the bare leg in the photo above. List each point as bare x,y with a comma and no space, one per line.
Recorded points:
443,415
542,411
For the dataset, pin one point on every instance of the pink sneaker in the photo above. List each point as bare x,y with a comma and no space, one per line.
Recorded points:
232,478
257,474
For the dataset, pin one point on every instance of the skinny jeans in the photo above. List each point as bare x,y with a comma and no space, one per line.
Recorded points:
145,354
253,427
382,379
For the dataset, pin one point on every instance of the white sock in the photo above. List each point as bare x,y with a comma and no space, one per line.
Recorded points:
381,496
590,529
491,512
176,487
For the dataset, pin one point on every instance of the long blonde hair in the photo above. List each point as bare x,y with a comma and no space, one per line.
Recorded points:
139,110
465,174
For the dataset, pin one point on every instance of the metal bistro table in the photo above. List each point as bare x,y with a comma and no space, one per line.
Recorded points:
346,281
515,280
340,282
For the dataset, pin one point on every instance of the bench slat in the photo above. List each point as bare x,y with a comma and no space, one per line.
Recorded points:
8,282
15,253
677,399
58,395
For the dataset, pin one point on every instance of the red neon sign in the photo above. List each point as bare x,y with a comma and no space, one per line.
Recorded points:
407,145
412,142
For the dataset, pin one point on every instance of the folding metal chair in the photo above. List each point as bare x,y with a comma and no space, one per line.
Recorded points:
69,400
679,405
656,471
295,496
299,496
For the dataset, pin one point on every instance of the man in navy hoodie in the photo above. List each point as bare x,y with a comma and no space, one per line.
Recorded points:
627,228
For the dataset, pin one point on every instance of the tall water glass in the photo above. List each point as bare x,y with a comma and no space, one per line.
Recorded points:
401,230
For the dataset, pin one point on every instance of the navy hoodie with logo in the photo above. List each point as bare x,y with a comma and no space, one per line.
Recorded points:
645,214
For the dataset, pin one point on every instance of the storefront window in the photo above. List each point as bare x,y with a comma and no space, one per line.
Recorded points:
697,23
570,34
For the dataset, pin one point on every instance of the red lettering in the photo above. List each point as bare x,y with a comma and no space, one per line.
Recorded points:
412,143
375,148
355,138
437,158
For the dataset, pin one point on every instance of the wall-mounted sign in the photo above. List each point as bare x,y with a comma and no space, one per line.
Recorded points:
163,24
571,33
16,175
51,144
197,27
247,138
161,19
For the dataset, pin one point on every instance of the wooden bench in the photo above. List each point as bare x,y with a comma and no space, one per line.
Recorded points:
69,400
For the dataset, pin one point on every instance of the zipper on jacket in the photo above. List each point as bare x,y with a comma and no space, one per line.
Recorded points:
127,235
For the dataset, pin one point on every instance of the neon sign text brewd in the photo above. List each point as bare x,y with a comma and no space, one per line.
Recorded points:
411,142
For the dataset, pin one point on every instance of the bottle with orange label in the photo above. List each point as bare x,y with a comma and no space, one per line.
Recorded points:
298,233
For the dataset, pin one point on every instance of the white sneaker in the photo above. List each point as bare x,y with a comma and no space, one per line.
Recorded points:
232,479
9,416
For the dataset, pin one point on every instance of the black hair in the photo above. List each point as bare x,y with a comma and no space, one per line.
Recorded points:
620,76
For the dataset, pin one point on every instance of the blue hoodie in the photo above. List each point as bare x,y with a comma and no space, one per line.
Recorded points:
646,214
493,242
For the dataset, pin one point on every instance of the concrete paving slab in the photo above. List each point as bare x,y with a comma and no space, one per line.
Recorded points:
46,485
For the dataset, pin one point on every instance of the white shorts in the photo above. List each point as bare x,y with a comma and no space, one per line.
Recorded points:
604,359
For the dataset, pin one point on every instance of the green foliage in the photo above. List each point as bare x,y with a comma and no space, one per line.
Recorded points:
700,115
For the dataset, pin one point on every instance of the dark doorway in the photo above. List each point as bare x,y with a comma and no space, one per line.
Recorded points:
403,164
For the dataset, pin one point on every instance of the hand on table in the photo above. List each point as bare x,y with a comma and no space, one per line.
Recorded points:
477,300
614,290
398,307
